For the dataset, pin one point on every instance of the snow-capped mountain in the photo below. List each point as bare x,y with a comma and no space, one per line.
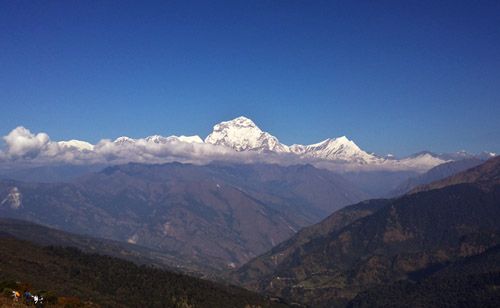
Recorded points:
340,148
124,140
423,161
241,134
427,159
77,144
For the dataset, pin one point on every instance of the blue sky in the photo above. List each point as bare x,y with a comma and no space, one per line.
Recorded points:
394,76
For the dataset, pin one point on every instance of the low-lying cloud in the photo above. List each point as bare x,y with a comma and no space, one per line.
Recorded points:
21,143
22,147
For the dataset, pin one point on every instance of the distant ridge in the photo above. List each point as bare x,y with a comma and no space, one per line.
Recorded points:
217,216
486,175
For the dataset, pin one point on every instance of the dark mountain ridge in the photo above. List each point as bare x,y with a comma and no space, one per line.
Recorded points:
435,174
486,176
395,239
44,236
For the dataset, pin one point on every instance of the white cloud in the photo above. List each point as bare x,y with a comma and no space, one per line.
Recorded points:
25,148
22,143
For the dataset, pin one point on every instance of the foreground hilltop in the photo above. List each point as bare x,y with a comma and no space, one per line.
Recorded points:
101,281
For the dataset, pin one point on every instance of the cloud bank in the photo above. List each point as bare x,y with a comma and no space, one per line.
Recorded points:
23,148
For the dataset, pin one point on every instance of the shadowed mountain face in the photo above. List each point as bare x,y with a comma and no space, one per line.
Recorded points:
485,176
383,241
218,215
472,281
253,273
379,184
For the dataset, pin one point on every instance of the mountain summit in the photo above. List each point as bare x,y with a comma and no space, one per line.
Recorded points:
241,134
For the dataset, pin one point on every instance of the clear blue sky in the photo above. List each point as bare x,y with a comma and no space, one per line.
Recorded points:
395,76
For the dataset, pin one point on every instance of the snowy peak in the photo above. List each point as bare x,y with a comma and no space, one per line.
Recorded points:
423,161
123,140
337,144
76,144
239,121
158,139
340,148
163,140
241,134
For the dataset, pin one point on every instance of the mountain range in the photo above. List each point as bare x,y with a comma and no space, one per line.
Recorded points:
227,141
379,242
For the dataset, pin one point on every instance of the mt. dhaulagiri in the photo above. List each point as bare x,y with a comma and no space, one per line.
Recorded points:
220,215
241,134
379,242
